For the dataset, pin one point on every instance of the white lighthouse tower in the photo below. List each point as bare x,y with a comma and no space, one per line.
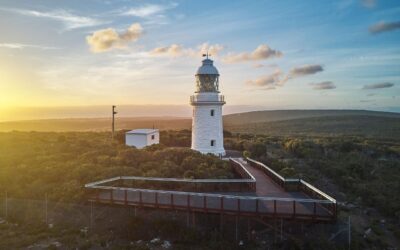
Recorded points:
207,129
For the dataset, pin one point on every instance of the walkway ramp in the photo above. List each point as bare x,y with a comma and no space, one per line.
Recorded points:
272,195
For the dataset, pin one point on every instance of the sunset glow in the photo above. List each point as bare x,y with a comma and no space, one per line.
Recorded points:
273,55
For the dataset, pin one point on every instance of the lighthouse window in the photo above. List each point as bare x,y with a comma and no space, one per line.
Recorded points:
212,112
152,137
212,143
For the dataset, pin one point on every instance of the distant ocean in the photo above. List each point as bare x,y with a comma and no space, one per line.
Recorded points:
38,113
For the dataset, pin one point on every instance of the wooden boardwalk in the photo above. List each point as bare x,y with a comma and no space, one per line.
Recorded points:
269,199
266,187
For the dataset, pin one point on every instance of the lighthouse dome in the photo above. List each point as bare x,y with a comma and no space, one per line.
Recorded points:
207,68
207,77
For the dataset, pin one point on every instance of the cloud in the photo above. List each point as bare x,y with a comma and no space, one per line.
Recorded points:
69,20
148,10
384,27
309,69
212,49
172,50
303,70
24,46
262,52
107,39
278,78
260,65
323,85
269,81
368,3
379,85
175,50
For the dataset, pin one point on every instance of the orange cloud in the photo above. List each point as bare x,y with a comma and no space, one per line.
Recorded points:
107,39
262,52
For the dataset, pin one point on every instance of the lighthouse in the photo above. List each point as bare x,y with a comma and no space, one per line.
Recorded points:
207,129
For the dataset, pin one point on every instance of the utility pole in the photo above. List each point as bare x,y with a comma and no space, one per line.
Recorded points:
113,120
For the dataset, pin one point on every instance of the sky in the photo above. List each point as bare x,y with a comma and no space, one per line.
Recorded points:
270,54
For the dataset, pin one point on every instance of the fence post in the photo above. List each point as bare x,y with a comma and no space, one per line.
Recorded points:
349,229
257,206
46,212
221,223
91,215
294,208
315,210
194,219
6,205
236,228
248,230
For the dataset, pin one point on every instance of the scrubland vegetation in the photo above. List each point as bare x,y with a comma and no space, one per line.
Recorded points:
59,164
363,174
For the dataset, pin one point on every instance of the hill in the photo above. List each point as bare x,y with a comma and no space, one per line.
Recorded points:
282,115
347,125
278,122
96,124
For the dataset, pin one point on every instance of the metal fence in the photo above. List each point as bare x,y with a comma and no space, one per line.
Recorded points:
214,203
92,217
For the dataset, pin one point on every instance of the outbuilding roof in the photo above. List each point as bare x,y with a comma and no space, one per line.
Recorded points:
143,131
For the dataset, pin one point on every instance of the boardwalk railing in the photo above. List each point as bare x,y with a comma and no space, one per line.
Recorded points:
320,208
214,203
246,183
296,185
268,171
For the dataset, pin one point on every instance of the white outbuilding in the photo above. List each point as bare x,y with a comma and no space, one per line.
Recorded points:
141,138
